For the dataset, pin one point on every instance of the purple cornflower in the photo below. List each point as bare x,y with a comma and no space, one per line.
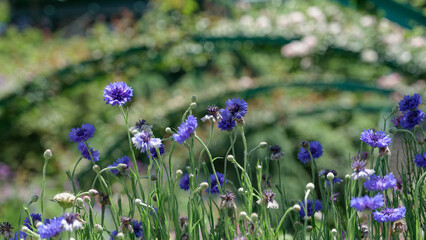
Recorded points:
30,223
420,160
316,151
276,153
82,134
154,152
117,93
410,102
137,228
310,211
145,140
214,184
71,222
359,170
375,138
184,182
367,203
268,199
123,160
226,123
83,149
411,118
186,129
378,183
51,228
389,214
213,114
236,107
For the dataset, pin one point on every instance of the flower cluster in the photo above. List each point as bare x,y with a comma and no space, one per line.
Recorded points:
315,148
378,184
376,139
367,203
411,115
186,129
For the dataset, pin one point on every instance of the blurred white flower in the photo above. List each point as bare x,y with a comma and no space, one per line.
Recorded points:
389,81
369,55
367,21
316,13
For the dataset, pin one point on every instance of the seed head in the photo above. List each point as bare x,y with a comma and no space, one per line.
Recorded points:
65,200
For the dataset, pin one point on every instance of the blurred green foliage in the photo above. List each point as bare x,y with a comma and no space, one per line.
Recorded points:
330,94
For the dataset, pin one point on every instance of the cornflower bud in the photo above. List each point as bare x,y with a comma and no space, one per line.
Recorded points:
309,228
169,130
86,199
96,168
98,228
393,130
138,201
120,235
80,202
153,177
47,154
240,190
259,167
179,173
296,207
263,144
34,198
230,158
193,105
334,232
204,186
347,176
243,214
93,192
254,216
193,99
395,109
121,167
330,176
310,186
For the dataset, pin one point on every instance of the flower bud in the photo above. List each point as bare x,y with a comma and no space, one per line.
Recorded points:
188,169
204,185
179,173
330,176
309,228
98,228
243,214
169,130
86,199
154,177
296,207
230,158
93,192
96,168
393,130
254,216
138,202
263,144
38,224
418,128
305,145
25,229
347,176
34,198
120,235
334,232
47,154
80,202
310,186
72,239
154,198
121,167
259,167
240,190
191,176
193,105
395,109
193,99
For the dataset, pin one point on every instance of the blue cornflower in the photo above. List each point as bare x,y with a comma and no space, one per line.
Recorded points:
82,134
35,217
318,207
375,138
226,123
367,203
420,160
389,214
184,182
411,119
378,183
113,235
213,182
50,228
117,93
123,160
236,107
410,102
186,129
154,152
316,151
145,140
137,228
83,149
